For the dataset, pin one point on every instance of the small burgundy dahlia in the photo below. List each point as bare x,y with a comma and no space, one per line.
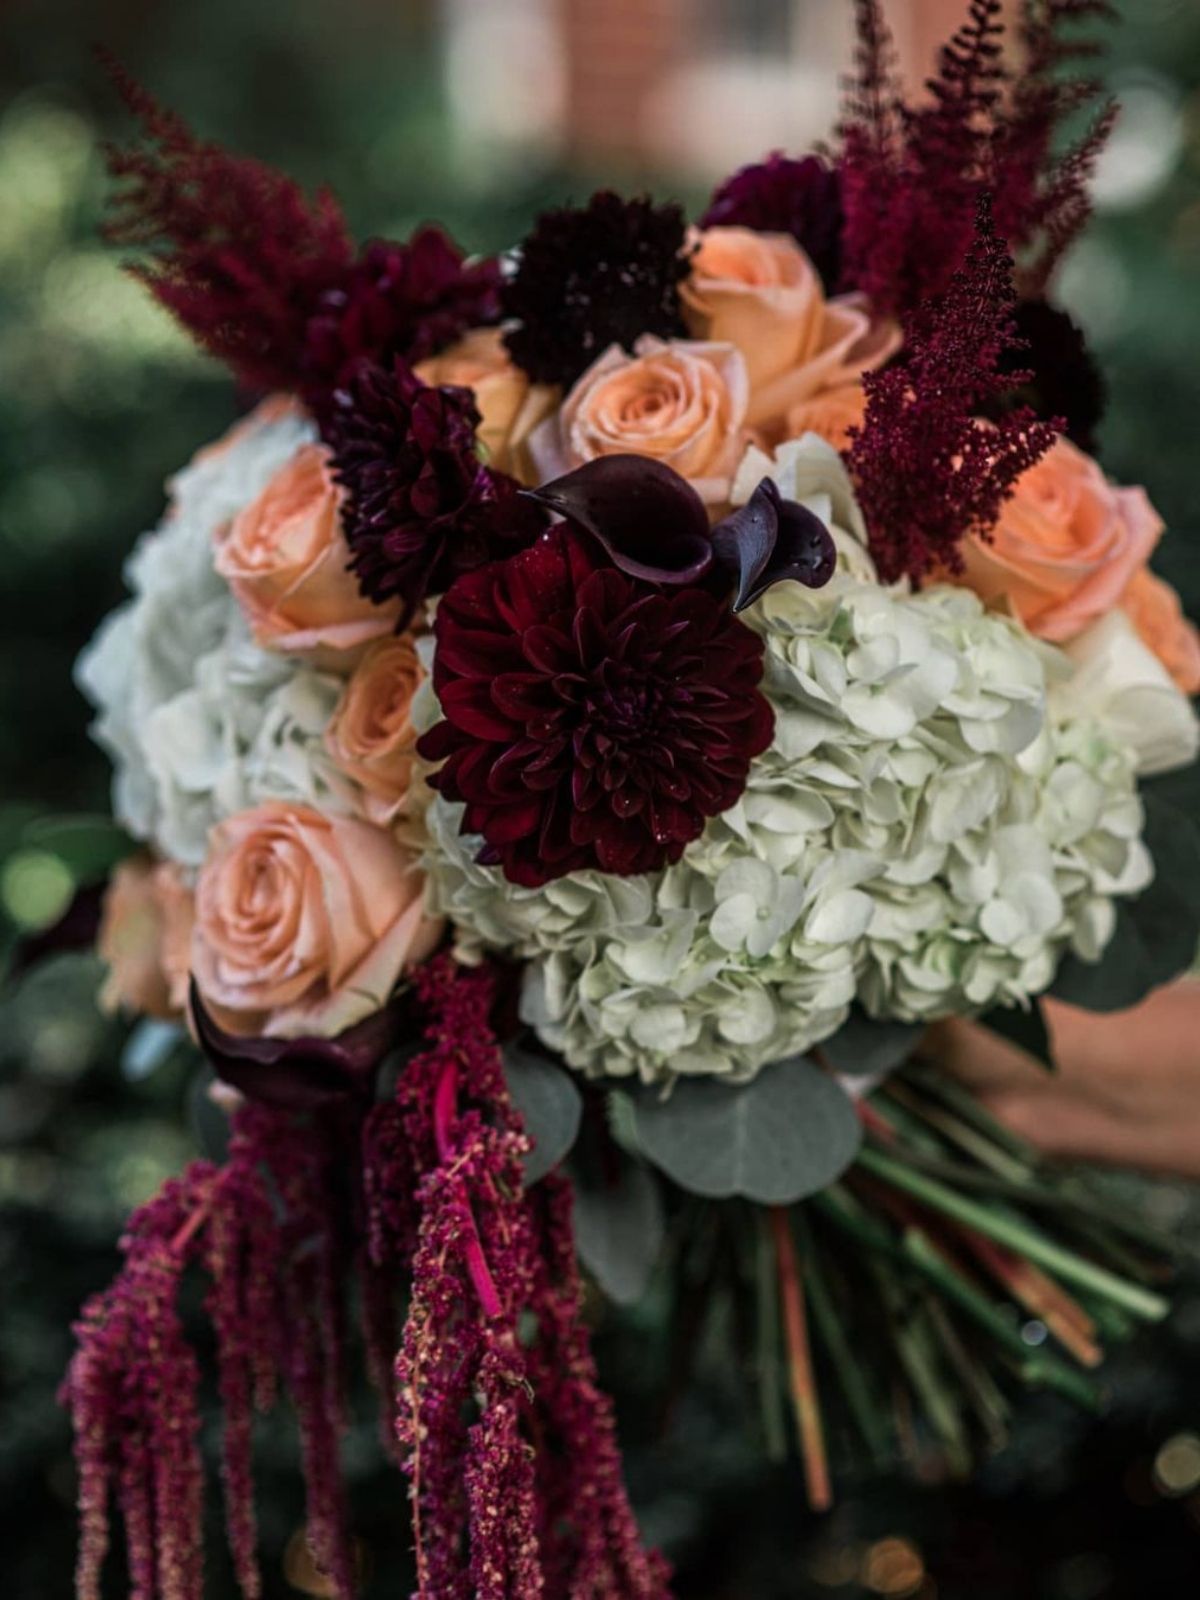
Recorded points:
408,300
421,506
591,276
591,719
783,195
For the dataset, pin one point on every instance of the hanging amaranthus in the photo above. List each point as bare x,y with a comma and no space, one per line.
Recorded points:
493,1402
509,1444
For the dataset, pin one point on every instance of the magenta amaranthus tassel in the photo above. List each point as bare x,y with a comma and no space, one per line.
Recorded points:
527,1499
275,1302
492,1404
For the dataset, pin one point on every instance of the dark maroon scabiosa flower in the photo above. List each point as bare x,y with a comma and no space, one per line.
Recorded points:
1059,374
591,719
784,195
590,276
408,300
421,505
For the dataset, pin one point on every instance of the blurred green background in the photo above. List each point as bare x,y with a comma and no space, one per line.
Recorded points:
100,398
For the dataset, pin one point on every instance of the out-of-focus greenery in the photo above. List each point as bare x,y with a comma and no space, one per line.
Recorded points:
100,398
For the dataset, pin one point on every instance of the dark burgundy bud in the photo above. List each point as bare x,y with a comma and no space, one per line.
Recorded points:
770,539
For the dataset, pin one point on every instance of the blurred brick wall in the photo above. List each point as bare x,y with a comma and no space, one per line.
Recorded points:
617,53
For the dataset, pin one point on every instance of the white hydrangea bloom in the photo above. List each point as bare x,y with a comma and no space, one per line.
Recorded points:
921,835
199,721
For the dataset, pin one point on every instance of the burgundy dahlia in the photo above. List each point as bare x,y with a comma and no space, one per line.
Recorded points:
421,505
408,300
591,276
591,719
783,195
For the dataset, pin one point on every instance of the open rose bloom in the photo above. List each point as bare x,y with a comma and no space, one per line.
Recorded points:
655,675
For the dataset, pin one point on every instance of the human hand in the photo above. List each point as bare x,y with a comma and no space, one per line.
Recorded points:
1127,1088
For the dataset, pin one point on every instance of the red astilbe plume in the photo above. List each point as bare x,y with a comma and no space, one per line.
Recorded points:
511,1452
1042,198
911,177
271,1230
928,470
242,257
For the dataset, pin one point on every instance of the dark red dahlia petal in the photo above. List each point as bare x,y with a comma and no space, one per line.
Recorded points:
631,718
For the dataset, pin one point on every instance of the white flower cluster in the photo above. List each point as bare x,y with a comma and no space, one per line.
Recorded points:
922,835
198,720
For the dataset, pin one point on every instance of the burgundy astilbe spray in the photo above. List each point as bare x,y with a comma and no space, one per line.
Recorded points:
928,470
510,1448
241,256
1042,198
912,175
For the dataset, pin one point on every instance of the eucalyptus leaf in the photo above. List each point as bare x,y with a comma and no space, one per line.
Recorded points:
863,1046
619,1230
1157,933
550,1105
1024,1027
786,1134
151,1042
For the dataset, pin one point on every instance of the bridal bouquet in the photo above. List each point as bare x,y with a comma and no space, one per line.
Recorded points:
576,731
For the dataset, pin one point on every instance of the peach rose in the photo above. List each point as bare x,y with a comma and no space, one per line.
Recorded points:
510,406
304,922
680,402
1066,545
1153,607
760,292
371,736
286,560
830,415
145,937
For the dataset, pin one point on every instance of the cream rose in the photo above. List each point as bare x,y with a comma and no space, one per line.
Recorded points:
304,922
145,938
1066,545
371,736
760,292
1153,607
1119,680
509,405
286,560
681,402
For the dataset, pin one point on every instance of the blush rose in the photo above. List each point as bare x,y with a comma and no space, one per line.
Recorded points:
1066,546
677,401
286,559
304,922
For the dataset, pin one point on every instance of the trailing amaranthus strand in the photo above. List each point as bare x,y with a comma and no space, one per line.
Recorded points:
132,1390
271,1230
510,1447
243,258
928,470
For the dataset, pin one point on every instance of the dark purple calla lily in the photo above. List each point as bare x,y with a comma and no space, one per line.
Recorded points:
770,539
299,1074
650,521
